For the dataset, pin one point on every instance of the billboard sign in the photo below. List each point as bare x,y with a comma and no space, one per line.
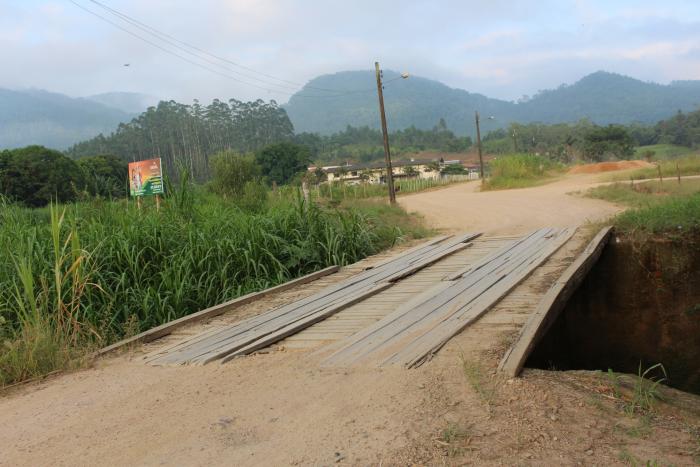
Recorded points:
145,178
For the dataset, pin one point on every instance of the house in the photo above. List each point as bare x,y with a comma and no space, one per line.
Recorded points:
375,172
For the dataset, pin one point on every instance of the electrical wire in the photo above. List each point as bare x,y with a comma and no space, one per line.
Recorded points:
153,31
173,42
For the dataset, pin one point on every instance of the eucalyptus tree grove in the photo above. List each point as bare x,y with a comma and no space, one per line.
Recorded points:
187,135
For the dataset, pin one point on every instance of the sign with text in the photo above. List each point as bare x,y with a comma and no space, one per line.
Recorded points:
145,178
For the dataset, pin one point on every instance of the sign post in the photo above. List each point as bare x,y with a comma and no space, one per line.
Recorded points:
146,179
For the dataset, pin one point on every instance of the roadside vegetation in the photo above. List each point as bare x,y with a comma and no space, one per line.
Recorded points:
78,275
670,207
520,171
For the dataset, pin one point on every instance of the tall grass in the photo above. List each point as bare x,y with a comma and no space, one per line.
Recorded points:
519,171
90,273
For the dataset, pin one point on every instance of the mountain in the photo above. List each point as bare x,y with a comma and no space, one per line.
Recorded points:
129,102
53,120
601,97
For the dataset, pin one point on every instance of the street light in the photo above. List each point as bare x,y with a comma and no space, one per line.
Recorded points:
385,133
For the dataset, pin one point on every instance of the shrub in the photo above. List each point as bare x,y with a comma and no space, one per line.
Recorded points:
231,172
105,175
36,175
281,162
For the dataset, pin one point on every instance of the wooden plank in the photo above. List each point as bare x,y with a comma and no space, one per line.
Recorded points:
419,326
552,304
433,342
410,314
246,332
167,328
297,326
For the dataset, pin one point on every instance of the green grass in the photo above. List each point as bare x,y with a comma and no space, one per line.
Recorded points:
646,193
686,165
677,217
658,208
81,276
519,171
661,151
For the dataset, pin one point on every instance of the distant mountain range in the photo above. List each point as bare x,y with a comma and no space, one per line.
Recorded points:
601,97
59,121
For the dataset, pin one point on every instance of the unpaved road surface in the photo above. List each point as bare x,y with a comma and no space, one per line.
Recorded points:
280,408
511,211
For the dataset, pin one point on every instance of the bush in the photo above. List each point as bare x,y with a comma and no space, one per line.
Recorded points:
231,172
105,175
518,171
254,197
281,162
36,175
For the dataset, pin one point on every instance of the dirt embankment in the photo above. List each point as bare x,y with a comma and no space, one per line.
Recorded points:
601,167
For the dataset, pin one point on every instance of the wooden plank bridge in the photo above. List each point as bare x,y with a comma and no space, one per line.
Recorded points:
402,309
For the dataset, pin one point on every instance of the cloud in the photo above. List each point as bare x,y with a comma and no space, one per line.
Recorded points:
499,48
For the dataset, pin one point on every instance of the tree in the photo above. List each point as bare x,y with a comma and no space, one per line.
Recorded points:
601,143
231,172
410,171
281,162
104,175
35,176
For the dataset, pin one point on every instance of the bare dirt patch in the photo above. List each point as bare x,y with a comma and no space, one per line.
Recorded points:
601,167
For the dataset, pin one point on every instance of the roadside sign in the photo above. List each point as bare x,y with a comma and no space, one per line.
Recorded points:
145,178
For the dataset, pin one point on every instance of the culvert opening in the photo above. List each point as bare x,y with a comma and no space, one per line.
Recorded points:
639,304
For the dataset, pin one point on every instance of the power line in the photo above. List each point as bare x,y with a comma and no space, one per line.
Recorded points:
160,36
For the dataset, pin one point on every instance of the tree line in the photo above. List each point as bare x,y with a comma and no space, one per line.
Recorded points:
585,140
187,135
35,176
365,144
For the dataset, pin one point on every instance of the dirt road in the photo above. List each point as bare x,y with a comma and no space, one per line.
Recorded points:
511,211
281,409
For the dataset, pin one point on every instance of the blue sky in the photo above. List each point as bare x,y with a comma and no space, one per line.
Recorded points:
503,49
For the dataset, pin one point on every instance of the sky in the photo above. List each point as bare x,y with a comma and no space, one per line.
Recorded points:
503,49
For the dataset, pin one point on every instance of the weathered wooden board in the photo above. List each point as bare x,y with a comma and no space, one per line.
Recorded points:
552,304
249,335
414,331
167,328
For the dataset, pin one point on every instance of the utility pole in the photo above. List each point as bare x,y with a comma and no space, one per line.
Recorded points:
478,145
387,153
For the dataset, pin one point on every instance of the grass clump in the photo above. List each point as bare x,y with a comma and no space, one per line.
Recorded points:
519,171
658,208
677,217
645,391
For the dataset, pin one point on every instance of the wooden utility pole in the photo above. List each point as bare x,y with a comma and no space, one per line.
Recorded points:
478,145
387,153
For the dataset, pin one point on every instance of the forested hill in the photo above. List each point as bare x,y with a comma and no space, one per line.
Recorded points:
39,117
415,101
601,97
